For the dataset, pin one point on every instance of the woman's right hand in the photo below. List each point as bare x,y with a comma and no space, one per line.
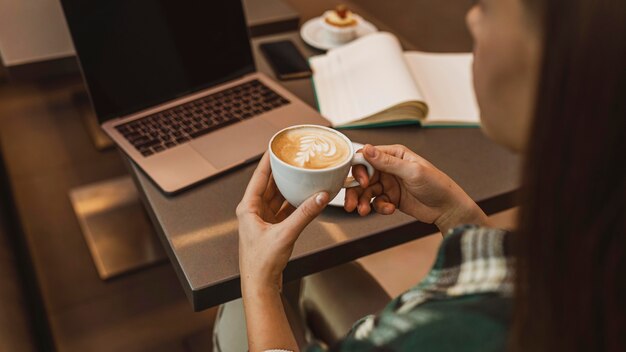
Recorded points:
408,182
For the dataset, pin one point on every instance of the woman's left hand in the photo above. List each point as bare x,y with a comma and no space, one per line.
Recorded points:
269,227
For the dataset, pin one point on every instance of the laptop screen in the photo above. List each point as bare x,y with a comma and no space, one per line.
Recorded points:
138,53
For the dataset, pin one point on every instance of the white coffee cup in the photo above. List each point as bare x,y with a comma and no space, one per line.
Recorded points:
297,184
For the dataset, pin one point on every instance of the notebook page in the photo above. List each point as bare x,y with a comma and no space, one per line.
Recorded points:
362,78
445,80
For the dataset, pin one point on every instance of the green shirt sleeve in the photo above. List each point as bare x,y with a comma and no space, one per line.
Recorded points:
463,304
468,323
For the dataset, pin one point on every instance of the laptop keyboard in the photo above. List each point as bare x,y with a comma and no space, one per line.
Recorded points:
169,128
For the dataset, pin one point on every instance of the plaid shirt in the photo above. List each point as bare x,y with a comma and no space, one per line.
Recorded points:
463,304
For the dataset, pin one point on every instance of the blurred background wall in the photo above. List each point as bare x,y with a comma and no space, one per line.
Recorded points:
34,31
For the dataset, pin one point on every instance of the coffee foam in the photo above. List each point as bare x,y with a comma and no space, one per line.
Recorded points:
310,148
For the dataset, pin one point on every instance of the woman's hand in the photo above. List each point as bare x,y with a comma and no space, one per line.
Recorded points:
408,182
268,228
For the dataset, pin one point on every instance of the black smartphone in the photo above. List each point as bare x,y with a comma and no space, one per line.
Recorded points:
286,60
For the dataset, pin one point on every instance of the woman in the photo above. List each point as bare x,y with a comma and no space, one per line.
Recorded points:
550,79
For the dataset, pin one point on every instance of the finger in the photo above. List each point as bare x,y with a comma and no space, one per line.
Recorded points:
359,172
391,187
304,214
351,199
270,190
276,203
371,192
382,205
402,152
366,198
398,150
285,210
389,163
260,177
272,197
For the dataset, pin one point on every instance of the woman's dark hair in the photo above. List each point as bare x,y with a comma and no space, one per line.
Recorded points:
571,243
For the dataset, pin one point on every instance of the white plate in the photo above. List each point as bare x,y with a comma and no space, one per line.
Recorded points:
312,32
339,199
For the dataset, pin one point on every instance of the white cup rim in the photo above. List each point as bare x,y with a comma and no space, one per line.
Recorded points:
338,166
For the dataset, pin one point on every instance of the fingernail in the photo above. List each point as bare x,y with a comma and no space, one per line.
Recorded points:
320,199
371,151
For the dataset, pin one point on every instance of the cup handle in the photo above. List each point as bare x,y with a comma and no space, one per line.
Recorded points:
358,159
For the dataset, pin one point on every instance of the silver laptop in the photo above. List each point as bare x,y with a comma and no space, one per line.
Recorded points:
174,84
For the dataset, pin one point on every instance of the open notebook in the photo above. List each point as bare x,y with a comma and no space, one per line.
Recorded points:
372,82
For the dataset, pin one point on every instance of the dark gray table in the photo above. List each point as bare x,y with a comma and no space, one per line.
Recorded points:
198,228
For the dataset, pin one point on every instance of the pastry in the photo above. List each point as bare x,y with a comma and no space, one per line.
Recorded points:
340,24
340,17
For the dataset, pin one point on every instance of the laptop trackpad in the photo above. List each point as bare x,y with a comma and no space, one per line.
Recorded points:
235,144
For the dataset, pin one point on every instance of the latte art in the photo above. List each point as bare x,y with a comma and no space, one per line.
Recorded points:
315,147
311,148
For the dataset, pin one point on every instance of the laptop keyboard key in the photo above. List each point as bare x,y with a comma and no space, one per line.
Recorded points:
147,144
202,132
